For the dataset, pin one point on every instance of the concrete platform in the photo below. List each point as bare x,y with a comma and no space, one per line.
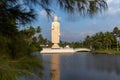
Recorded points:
57,51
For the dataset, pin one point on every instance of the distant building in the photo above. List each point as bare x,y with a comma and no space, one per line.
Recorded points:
67,46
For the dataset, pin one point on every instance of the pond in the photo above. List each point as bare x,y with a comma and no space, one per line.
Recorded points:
83,66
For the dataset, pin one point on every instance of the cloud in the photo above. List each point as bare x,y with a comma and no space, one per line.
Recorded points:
109,1
113,7
85,33
75,36
72,18
113,1
44,14
113,11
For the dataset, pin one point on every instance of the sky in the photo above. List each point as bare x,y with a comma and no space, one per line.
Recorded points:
76,28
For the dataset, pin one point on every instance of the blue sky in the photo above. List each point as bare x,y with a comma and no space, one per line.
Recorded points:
76,28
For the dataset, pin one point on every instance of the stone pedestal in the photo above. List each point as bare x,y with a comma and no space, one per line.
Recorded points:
55,45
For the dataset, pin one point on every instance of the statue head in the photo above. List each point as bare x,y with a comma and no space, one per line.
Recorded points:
55,18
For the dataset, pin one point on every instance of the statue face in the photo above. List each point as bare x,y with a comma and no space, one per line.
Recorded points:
55,18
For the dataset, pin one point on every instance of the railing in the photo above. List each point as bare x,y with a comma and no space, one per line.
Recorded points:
82,49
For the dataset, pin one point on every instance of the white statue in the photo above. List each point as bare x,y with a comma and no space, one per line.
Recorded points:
55,32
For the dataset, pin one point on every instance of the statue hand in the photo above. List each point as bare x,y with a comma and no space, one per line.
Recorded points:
59,34
52,28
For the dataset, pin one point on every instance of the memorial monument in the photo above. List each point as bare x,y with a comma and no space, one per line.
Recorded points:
55,39
55,33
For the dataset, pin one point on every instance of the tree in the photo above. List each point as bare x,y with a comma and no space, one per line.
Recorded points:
101,40
33,37
90,7
116,32
15,55
38,30
16,59
108,40
88,41
97,40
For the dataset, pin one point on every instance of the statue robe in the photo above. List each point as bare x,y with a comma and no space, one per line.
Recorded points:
55,32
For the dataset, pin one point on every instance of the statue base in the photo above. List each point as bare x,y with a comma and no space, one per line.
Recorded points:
57,51
55,46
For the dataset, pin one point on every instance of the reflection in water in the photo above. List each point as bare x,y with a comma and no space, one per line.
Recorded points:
84,66
55,67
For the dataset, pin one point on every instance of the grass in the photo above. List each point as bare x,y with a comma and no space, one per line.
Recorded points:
106,51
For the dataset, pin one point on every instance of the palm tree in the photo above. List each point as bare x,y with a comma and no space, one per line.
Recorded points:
38,30
116,32
108,40
98,40
88,41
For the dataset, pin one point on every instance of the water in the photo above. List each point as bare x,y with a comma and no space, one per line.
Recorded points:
84,66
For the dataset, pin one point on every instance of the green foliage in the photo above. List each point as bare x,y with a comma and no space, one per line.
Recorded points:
71,44
13,69
16,59
38,30
31,39
116,32
89,7
102,40
98,41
